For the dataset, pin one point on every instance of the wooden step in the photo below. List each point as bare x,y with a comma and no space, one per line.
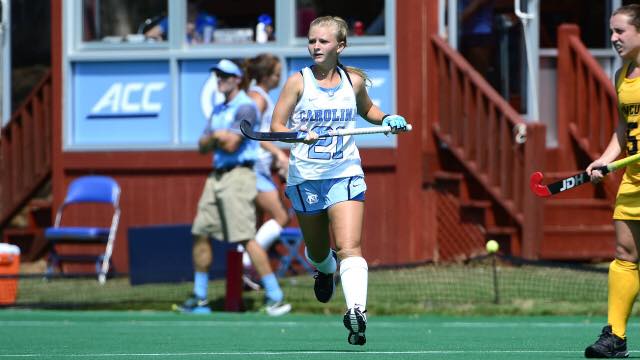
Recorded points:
578,242
40,213
477,211
567,212
452,182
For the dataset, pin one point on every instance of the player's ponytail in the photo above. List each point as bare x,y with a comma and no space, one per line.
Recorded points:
258,68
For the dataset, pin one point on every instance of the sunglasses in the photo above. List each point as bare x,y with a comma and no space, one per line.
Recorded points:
223,75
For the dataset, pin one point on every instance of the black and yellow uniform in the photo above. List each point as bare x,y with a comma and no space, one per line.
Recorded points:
628,199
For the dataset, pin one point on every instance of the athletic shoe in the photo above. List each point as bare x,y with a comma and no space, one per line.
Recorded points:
356,322
277,308
324,284
249,284
608,345
193,305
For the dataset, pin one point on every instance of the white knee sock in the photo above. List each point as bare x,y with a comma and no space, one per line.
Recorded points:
268,233
354,274
326,266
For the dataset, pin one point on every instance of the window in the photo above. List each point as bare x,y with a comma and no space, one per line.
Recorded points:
364,17
231,22
117,21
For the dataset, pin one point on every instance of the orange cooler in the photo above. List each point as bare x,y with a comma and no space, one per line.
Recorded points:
9,265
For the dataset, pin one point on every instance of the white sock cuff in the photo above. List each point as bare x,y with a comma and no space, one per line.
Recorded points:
268,233
353,262
327,266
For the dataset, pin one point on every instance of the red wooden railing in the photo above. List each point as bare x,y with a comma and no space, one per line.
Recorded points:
586,102
480,128
25,151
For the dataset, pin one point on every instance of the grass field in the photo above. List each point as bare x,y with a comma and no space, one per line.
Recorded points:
455,311
162,335
455,289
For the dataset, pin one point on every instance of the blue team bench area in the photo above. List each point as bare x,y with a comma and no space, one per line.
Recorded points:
162,254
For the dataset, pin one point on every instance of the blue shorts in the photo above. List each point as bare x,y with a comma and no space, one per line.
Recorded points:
315,196
264,182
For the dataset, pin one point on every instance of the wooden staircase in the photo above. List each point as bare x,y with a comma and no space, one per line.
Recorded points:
483,170
25,168
577,223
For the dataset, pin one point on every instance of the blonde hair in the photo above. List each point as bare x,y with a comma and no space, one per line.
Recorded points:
341,35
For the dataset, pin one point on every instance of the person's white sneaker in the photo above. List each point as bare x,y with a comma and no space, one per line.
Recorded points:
277,308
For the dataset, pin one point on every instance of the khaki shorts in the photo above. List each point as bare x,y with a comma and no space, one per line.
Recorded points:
226,210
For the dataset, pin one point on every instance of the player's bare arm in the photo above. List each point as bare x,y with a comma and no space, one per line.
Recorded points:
286,103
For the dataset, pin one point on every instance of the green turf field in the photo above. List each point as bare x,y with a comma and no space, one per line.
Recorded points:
41,334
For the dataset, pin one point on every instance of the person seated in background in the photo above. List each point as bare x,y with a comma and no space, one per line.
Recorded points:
200,26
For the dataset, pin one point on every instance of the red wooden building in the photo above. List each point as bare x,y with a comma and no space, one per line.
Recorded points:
459,178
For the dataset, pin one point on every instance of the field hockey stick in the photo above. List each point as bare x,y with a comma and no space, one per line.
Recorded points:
247,130
575,180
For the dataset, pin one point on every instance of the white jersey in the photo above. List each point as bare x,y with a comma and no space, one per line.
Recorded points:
265,158
332,157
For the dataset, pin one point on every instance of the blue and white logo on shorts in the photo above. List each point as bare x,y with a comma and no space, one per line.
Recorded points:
312,198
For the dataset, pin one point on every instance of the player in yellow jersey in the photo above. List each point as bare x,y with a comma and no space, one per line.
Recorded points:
624,282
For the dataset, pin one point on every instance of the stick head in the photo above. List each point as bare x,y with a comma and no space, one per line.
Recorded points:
535,183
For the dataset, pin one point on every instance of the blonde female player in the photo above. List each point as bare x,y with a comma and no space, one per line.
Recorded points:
623,271
262,74
326,182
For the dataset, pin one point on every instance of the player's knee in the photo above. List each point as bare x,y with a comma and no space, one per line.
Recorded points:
344,253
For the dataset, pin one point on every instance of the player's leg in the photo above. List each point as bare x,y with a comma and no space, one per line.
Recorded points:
315,231
346,219
268,203
307,200
274,297
202,258
237,203
207,222
624,284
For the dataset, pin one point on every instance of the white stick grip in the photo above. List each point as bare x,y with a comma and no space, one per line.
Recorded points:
366,130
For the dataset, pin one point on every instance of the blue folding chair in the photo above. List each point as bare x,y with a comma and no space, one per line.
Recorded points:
291,238
86,189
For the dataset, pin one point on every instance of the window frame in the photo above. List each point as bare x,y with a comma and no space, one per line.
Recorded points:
175,51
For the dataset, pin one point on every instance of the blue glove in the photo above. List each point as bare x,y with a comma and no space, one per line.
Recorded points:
397,123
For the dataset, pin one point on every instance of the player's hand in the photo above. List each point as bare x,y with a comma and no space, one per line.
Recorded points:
596,175
311,136
397,123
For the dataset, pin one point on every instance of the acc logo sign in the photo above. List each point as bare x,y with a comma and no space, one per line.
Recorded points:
133,99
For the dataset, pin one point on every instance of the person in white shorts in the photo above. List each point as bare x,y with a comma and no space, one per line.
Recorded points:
226,209
326,183
262,74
